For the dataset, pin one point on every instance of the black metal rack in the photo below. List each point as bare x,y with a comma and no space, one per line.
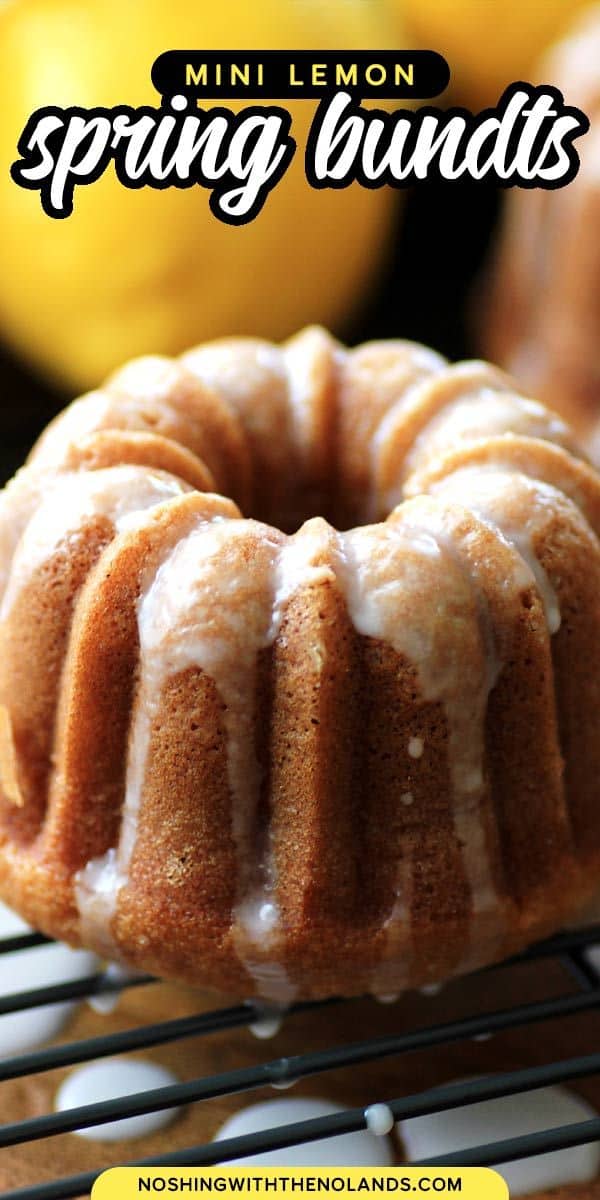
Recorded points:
569,948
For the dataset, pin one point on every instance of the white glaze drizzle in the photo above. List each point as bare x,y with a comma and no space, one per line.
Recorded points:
268,1023
467,777
40,966
96,890
389,469
83,417
110,1079
510,1116
302,359
416,747
18,501
106,1002
516,508
298,564
117,493
484,413
379,1119
592,953
385,580
364,1149
239,371
203,609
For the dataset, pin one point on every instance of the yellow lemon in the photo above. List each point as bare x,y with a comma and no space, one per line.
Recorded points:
142,271
488,43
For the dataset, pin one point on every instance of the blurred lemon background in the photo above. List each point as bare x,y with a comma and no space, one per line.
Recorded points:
488,43
137,271
151,271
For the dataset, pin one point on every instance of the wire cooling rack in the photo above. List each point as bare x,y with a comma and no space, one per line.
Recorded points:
568,948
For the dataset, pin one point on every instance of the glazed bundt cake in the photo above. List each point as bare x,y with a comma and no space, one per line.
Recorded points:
543,321
292,764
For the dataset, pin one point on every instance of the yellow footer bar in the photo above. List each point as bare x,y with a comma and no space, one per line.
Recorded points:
276,1183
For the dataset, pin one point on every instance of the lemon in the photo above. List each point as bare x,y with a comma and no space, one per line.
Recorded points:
488,43
142,271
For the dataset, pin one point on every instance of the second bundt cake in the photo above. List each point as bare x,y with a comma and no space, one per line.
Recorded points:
543,314
292,764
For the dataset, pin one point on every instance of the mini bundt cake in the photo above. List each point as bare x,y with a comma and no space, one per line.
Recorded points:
543,321
291,764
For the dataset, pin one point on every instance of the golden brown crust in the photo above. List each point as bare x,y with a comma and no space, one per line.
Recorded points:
314,763
33,648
